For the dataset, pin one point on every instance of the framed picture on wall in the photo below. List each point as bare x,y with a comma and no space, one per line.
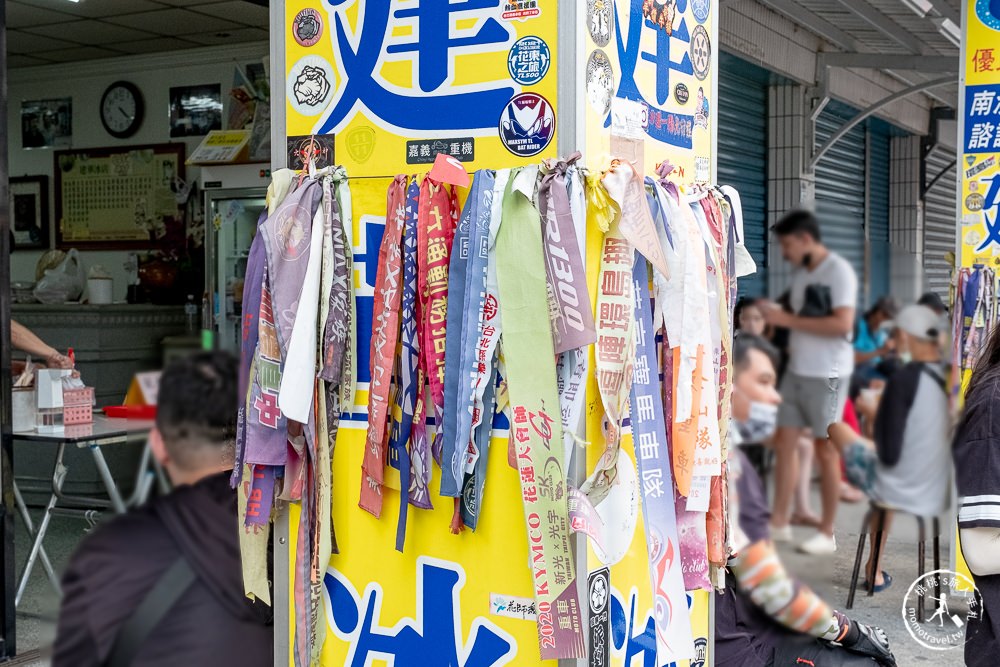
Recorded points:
47,123
195,110
29,211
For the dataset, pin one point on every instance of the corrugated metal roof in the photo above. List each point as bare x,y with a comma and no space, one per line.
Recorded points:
887,27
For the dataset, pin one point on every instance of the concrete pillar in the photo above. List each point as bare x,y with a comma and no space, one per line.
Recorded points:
788,184
906,219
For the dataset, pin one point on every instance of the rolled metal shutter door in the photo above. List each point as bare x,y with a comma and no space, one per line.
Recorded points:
878,209
742,156
939,218
840,188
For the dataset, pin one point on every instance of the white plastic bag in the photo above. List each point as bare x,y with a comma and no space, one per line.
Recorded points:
63,283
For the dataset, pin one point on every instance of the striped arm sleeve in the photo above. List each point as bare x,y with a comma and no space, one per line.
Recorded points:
760,574
982,511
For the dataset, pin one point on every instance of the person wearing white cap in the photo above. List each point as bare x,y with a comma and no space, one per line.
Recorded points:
908,466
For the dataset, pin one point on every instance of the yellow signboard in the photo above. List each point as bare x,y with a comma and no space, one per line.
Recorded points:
980,136
650,72
650,69
397,83
979,139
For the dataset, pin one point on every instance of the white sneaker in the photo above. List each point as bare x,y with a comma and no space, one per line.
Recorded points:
781,533
819,544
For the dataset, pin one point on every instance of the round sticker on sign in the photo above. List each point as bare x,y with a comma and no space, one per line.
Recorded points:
309,85
681,94
600,82
527,124
599,21
307,27
701,9
700,52
528,61
975,202
619,512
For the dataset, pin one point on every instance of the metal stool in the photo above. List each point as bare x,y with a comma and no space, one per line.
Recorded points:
878,514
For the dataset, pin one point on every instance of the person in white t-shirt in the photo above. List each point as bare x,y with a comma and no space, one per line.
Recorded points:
823,299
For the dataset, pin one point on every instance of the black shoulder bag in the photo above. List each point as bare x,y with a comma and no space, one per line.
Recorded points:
164,595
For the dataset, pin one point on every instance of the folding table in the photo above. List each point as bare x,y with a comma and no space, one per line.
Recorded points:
101,433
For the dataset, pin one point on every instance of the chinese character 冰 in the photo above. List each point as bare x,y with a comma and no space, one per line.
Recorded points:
407,643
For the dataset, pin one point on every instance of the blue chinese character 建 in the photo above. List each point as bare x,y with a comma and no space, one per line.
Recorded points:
629,51
434,105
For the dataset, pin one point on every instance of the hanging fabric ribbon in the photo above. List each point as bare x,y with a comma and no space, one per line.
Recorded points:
349,374
253,280
436,232
673,624
569,301
487,363
253,537
613,351
624,186
406,396
388,294
470,297
691,535
480,350
688,327
530,364
451,449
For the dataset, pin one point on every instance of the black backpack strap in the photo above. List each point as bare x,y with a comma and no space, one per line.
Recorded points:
164,595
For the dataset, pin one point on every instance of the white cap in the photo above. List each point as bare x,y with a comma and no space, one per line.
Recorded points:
919,321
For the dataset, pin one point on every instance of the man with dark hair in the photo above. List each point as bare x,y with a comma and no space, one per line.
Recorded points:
162,585
934,302
763,617
823,297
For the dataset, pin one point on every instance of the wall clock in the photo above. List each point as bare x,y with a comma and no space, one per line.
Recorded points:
122,109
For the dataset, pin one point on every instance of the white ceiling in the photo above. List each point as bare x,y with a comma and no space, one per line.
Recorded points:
41,32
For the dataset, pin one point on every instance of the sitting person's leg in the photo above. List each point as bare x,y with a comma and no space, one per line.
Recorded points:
859,456
803,514
860,461
880,575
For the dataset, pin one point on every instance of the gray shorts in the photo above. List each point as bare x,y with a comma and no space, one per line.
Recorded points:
812,403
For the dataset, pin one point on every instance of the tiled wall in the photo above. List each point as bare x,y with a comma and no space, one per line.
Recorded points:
788,186
906,219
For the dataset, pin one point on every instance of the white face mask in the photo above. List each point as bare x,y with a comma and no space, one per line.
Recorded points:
761,423
905,357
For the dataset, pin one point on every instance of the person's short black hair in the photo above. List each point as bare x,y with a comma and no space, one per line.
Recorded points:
798,221
932,301
196,409
743,343
743,303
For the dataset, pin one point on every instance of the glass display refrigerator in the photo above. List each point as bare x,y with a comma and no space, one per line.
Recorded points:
233,203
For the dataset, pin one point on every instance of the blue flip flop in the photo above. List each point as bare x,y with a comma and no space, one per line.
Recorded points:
886,582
